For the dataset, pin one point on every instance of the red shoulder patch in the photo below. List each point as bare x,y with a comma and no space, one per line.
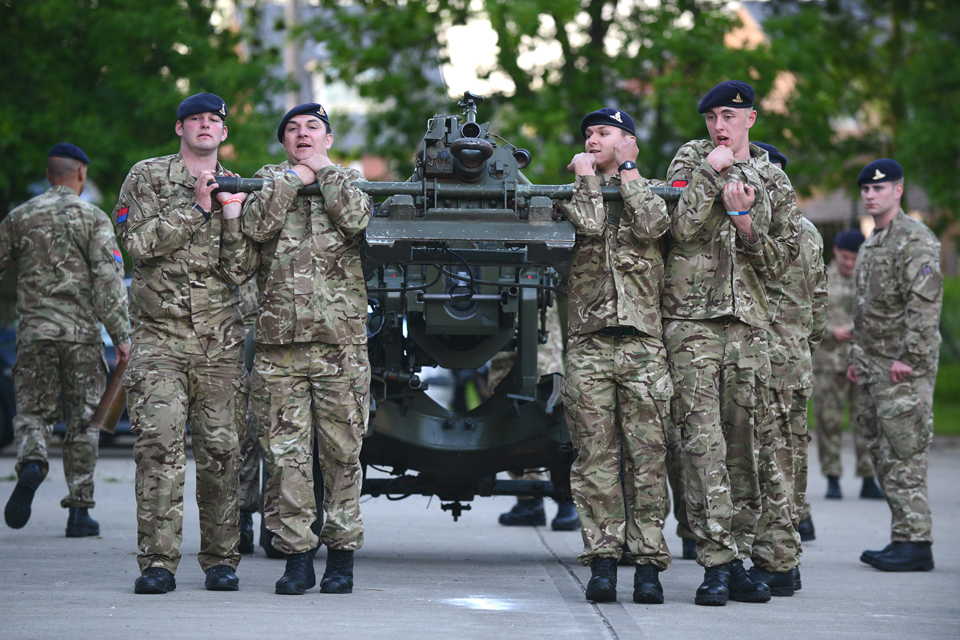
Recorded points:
679,183
122,215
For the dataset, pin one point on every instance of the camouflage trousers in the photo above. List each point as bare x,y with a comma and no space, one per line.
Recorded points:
832,393
249,462
897,422
720,370
44,370
167,386
676,480
302,391
615,396
782,464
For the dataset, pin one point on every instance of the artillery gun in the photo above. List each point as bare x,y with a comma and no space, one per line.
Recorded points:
462,262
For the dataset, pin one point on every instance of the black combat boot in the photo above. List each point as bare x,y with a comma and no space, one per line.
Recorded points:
155,580
743,588
80,524
833,488
797,584
871,490
246,533
603,580
221,578
567,518
689,549
338,575
781,583
868,555
713,592
646,585
17,511
299,574
905,556
806,531
526,513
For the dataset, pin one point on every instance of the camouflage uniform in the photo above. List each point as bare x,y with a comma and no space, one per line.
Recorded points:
549,360
311,376
617,381
186,362
249,441
896,317
832,392
797,304
70,279
715,311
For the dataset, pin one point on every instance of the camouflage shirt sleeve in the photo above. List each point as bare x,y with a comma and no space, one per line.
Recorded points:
646,212
109,292
921,283
703,185
265,211
348,207
817,279
585,209
239,257
8,252
774,250
152,229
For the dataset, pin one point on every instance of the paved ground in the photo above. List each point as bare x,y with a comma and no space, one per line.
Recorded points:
421,575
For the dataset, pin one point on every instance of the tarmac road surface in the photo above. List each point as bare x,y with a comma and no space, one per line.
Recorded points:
421,575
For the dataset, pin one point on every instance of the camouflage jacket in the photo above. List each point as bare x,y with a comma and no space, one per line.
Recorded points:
616,275
186,268
311,282
798,312
899,296
70,270
831,357
712,270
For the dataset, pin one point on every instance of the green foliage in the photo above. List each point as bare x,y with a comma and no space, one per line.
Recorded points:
108,75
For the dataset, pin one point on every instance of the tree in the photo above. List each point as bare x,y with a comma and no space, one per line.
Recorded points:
108,75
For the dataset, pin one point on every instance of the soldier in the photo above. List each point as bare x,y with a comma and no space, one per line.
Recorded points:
893,358
832,392
529,512
617,382
715,319
70,280
797,304
189,258
311,375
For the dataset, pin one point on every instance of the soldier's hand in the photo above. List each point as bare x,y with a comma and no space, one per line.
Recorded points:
123,353
721,159
738,196
842,334
203,190
583,164
900,371
852,374
626,150
317,161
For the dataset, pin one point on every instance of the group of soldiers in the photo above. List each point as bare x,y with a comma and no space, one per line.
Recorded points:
690,333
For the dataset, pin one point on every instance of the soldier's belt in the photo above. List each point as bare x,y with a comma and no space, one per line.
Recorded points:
618,332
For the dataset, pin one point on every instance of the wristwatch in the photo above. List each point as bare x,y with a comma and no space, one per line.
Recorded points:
626,166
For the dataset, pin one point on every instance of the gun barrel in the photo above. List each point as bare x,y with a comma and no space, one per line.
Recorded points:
447,189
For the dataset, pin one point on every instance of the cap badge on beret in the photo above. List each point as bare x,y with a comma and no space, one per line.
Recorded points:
321,112
617,117
877,175
223,109
738,99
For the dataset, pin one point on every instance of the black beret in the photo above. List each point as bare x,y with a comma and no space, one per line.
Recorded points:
851,239
67,150
882,170
732,93
774,153
202,103
311,108
608,116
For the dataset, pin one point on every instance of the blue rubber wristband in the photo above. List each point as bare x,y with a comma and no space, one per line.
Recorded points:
737,213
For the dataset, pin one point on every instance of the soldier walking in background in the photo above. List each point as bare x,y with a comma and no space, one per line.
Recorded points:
70,280
894,358
189,258
832,392
311,375
797,304
617,385
715,331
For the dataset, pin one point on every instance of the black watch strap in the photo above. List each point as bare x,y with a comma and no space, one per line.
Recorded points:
626,166
206,214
